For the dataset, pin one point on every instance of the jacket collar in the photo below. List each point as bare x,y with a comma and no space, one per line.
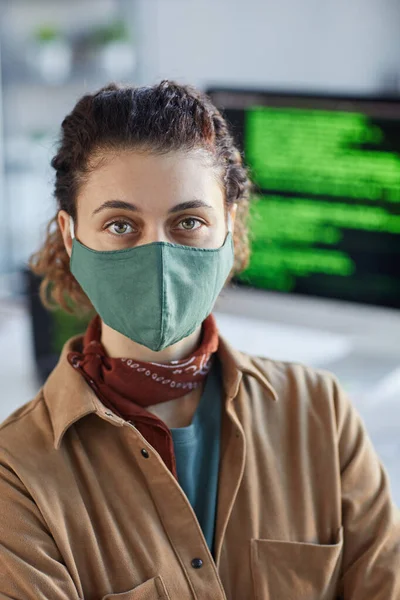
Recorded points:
235,363
69,398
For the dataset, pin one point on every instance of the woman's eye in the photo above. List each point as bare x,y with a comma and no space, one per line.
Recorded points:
120,228
191,223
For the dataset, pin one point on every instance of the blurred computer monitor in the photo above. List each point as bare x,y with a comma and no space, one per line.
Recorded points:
325,213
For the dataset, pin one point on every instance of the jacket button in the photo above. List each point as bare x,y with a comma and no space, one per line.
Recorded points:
197,563
145,453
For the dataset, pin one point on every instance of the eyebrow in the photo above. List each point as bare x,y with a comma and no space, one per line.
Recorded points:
121,204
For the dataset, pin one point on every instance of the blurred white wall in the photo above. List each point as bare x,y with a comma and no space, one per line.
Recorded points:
344,45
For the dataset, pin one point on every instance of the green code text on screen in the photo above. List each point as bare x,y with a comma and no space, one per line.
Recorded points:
325,219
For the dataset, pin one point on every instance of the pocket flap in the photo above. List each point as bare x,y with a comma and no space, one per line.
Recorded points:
152,589
295,570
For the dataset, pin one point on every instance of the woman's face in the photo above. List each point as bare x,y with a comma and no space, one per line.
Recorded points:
136,198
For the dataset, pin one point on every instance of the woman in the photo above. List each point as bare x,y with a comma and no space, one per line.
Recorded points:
158,461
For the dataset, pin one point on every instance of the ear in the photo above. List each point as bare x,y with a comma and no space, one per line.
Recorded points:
63,223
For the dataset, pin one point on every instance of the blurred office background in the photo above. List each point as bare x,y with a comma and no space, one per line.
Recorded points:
323,287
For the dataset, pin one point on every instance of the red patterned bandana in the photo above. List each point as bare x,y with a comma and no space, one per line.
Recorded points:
146,383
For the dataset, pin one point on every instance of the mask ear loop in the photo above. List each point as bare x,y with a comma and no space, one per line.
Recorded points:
230,222
71,227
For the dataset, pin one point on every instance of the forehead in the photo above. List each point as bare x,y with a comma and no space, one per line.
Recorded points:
147,178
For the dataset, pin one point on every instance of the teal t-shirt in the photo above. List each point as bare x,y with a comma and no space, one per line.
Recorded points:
197,451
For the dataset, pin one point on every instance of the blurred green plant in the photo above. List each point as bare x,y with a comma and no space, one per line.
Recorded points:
116,31
47,33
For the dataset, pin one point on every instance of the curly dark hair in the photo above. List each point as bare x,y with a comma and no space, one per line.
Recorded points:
164,117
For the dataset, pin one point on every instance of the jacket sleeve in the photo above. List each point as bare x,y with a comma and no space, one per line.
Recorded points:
371,521
31,565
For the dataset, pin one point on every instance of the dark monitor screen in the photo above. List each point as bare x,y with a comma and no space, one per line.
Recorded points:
325,213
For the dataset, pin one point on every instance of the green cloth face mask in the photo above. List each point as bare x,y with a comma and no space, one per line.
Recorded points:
155,294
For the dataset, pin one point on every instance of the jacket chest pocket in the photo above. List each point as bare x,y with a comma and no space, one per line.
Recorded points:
152,589
295,570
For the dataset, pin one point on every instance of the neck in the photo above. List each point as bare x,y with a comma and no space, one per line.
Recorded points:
117,345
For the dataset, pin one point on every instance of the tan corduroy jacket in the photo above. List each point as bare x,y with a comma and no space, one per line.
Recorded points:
304,508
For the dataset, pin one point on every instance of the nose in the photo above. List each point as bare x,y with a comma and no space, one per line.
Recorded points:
154,234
